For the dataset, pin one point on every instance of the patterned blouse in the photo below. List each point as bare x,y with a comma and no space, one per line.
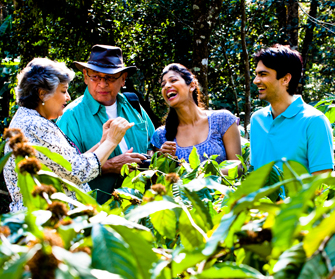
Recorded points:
43,132
219,121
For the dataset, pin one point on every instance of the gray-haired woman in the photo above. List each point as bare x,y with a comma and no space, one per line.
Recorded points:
42,95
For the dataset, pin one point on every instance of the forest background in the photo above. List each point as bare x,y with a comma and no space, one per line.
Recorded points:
214,38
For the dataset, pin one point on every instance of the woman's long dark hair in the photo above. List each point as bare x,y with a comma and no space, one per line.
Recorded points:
172,121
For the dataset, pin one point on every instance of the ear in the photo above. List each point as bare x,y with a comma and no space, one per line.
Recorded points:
124,76
85,76
192,86
41,94
286,79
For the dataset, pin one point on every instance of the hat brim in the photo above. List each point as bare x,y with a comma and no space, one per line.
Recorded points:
110,71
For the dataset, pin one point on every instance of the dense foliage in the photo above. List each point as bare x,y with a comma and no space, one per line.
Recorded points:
153,33
172,220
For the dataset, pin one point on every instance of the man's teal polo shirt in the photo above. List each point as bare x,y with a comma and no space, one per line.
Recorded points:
82,122
301,133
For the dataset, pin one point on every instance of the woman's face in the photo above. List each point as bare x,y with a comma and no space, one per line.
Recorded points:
53,107
174,89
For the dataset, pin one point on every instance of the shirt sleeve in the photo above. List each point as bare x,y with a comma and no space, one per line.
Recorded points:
224,120
320,144
157,138
70,127
85,167
150,127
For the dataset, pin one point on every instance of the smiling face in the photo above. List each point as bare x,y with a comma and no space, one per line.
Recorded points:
270,88
175,90
53,107
102,90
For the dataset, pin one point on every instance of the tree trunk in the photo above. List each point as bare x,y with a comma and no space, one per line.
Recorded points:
307,46
247,107
205,14
293,22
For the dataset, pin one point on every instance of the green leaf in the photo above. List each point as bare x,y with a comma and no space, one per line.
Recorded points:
291,211
140,250
185,259
230,270
77,262
200,208
290,262
220,233
190,237
26,184
194,158
5,25
315,268
15,269
165,222
208,182
4,160
250,199
110,252
292,169
82,197
252,183
149,208
59,159
331,115
318,233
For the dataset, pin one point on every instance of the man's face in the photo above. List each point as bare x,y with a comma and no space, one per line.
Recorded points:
104,88
270,88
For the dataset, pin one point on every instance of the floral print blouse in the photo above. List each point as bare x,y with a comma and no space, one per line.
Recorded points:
43,132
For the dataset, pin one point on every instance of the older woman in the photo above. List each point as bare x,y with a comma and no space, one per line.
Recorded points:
42,95
188,125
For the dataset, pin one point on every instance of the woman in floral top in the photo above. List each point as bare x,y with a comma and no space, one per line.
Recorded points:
42,95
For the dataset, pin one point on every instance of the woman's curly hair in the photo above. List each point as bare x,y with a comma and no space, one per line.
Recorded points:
40,74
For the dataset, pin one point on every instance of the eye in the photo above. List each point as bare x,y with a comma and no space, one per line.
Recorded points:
110,79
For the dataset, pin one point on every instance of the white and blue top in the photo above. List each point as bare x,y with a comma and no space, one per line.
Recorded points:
219,121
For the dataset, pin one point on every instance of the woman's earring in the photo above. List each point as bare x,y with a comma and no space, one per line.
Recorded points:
42,103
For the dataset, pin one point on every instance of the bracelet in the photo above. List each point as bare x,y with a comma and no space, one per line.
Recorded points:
95,155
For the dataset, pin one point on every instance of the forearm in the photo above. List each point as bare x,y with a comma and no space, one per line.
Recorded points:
93,148
103,150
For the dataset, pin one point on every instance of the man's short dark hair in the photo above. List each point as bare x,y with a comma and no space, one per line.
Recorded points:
283,60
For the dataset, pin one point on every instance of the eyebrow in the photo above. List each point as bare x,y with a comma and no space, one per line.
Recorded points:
262,72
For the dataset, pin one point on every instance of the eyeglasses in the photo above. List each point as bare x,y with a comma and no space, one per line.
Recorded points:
108,79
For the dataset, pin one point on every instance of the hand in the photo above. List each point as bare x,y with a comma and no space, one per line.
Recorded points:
117,129
169,147
115,164
105,129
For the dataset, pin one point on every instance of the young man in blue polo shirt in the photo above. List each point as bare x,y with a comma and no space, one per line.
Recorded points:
288,127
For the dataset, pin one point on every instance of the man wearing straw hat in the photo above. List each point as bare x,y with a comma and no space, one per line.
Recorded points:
82,121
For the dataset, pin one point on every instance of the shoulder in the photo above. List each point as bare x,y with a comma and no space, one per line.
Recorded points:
76,105
311,112
158,137
221,116
160,130
261,112
72,110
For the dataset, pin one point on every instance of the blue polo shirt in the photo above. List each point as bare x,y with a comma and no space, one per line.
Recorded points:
301,133
82,122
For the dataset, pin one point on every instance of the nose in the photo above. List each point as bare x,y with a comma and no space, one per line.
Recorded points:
103,82
68,97
256,80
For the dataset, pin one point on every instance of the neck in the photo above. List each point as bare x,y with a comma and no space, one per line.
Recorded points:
280,105
189,114
40,109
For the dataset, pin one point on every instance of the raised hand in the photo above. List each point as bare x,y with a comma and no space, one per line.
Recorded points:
169,147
